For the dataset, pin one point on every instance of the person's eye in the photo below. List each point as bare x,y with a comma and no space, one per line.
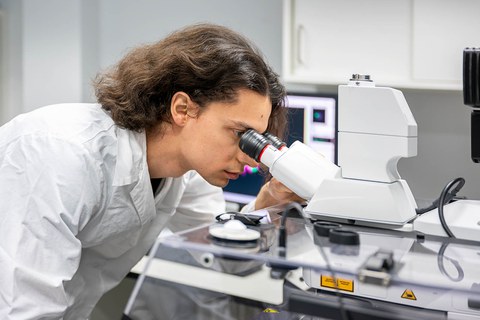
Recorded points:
238,133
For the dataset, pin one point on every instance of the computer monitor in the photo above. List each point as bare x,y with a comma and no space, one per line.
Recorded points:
312,119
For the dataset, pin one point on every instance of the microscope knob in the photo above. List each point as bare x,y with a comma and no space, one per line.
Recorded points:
360,77
322,228
345,237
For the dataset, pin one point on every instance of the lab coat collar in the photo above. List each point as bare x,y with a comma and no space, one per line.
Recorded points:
131,157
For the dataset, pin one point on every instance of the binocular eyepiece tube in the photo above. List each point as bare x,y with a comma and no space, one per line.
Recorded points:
253,143
275,141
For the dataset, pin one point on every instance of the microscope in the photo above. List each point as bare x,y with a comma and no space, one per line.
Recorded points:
375,129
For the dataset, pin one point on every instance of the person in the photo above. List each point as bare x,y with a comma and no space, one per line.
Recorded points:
85,189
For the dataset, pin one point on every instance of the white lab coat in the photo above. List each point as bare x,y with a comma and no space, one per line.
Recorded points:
77,209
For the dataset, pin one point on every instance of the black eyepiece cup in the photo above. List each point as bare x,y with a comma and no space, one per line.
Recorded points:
252,143
275,141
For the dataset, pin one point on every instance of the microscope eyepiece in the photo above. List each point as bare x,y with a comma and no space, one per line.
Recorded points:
253,143
275,141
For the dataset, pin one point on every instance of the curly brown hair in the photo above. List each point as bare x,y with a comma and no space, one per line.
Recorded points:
208,62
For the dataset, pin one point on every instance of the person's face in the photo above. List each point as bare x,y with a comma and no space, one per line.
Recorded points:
211,138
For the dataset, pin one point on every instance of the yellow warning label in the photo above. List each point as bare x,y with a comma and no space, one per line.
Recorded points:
336,283
408,294
269,310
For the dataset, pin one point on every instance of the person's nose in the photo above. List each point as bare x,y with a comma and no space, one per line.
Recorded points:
246,160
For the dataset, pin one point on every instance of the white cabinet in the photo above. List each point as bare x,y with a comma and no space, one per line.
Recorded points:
400,43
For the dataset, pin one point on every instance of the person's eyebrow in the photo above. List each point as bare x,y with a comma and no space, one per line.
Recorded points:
242,125
245,126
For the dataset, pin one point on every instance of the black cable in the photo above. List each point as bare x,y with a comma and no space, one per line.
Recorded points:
449,197
441,256
282,243
446,193
282,229
434,205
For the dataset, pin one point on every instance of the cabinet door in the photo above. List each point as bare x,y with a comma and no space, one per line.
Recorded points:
400,43
330,40
443,28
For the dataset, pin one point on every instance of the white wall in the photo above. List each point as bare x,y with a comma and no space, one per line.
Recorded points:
10,59
126,23
43,55
51,49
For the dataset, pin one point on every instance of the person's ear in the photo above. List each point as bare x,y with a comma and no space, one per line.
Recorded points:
182,108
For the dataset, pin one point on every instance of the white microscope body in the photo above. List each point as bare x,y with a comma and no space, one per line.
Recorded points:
375,129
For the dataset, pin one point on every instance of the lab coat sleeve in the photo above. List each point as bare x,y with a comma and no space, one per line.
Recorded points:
200,203
48,190
249,207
